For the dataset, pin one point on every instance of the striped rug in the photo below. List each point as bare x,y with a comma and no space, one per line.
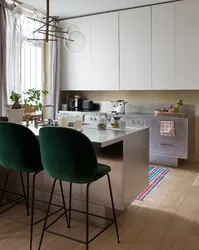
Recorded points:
156,176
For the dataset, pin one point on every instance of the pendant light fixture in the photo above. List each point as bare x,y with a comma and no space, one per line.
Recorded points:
34,27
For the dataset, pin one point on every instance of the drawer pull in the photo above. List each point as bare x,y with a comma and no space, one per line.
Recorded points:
166,145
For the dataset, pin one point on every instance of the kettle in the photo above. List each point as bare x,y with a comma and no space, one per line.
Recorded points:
119,106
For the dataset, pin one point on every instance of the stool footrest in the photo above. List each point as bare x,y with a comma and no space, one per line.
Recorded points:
21,221
75,239
49,216
45,202
95,215
16,203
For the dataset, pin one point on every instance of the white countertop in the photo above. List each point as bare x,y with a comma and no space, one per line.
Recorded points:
102,138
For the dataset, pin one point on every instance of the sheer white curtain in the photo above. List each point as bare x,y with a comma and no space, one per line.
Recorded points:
3,89
54,74
13,57
25,64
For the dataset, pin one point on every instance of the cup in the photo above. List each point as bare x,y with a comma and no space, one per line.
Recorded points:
77,124
122,124
62,120
64,107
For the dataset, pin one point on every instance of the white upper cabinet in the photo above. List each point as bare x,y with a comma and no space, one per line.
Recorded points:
135,49
163,46
104,52
82,58
75,67
67,62
187,44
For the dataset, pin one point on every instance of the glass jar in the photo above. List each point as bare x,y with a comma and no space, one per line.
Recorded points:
101,121
62,119
115,122
77,124
122,124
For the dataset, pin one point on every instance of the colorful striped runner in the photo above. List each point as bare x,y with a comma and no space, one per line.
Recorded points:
156,175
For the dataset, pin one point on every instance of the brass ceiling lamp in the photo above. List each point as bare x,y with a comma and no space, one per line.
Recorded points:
34,27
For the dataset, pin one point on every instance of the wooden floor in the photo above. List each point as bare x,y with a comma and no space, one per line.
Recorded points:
167,220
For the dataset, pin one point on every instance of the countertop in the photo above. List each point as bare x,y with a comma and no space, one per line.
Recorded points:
102,138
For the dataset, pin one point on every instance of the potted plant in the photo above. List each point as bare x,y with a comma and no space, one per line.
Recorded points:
32,100
32,103
15,97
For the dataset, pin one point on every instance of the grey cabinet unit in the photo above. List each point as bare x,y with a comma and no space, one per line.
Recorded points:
181,130
173,147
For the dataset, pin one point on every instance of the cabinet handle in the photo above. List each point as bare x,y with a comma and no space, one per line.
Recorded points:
166,145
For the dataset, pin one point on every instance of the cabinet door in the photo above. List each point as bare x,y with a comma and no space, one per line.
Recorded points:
82,58
187,44
104,52
135,49
163,46
67,62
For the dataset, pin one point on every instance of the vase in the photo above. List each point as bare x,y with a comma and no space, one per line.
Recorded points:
15,115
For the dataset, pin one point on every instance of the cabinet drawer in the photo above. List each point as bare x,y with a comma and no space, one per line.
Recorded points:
173,149
181,128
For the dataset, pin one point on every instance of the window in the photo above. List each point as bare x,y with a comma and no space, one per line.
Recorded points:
25,64
32,67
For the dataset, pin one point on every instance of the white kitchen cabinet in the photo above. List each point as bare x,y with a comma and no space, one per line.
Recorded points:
104,52
187,44
163,47
82,58
75,67
135,49
67,62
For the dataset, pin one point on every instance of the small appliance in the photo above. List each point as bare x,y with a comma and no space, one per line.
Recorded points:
75,104
119,106
87,105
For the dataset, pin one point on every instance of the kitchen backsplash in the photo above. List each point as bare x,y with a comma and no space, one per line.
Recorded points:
189,97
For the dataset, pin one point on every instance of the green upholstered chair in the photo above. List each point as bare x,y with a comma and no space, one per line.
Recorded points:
19,151
68,155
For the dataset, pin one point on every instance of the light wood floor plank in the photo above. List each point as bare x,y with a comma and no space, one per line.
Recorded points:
167,220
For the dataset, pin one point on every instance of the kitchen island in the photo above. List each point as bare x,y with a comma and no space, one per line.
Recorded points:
126,152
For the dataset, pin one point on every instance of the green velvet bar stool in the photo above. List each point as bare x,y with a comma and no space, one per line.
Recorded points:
20,152
68,155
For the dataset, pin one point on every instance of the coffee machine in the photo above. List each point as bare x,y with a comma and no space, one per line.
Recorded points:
75,104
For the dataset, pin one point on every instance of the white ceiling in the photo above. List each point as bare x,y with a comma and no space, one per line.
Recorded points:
72,8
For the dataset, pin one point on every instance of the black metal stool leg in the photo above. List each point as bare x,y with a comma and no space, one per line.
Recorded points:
113,207
64,203
70,201
32,210
4,187
28,193
48,210
87,215
24,193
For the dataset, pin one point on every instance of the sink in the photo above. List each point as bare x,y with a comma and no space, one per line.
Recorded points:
86,123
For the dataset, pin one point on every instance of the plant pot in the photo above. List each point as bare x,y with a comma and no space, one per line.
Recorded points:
27,109
15,115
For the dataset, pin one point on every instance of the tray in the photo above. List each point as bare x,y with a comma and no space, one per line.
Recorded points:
169,114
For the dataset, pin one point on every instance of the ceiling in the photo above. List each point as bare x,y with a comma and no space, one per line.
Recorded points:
72,8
